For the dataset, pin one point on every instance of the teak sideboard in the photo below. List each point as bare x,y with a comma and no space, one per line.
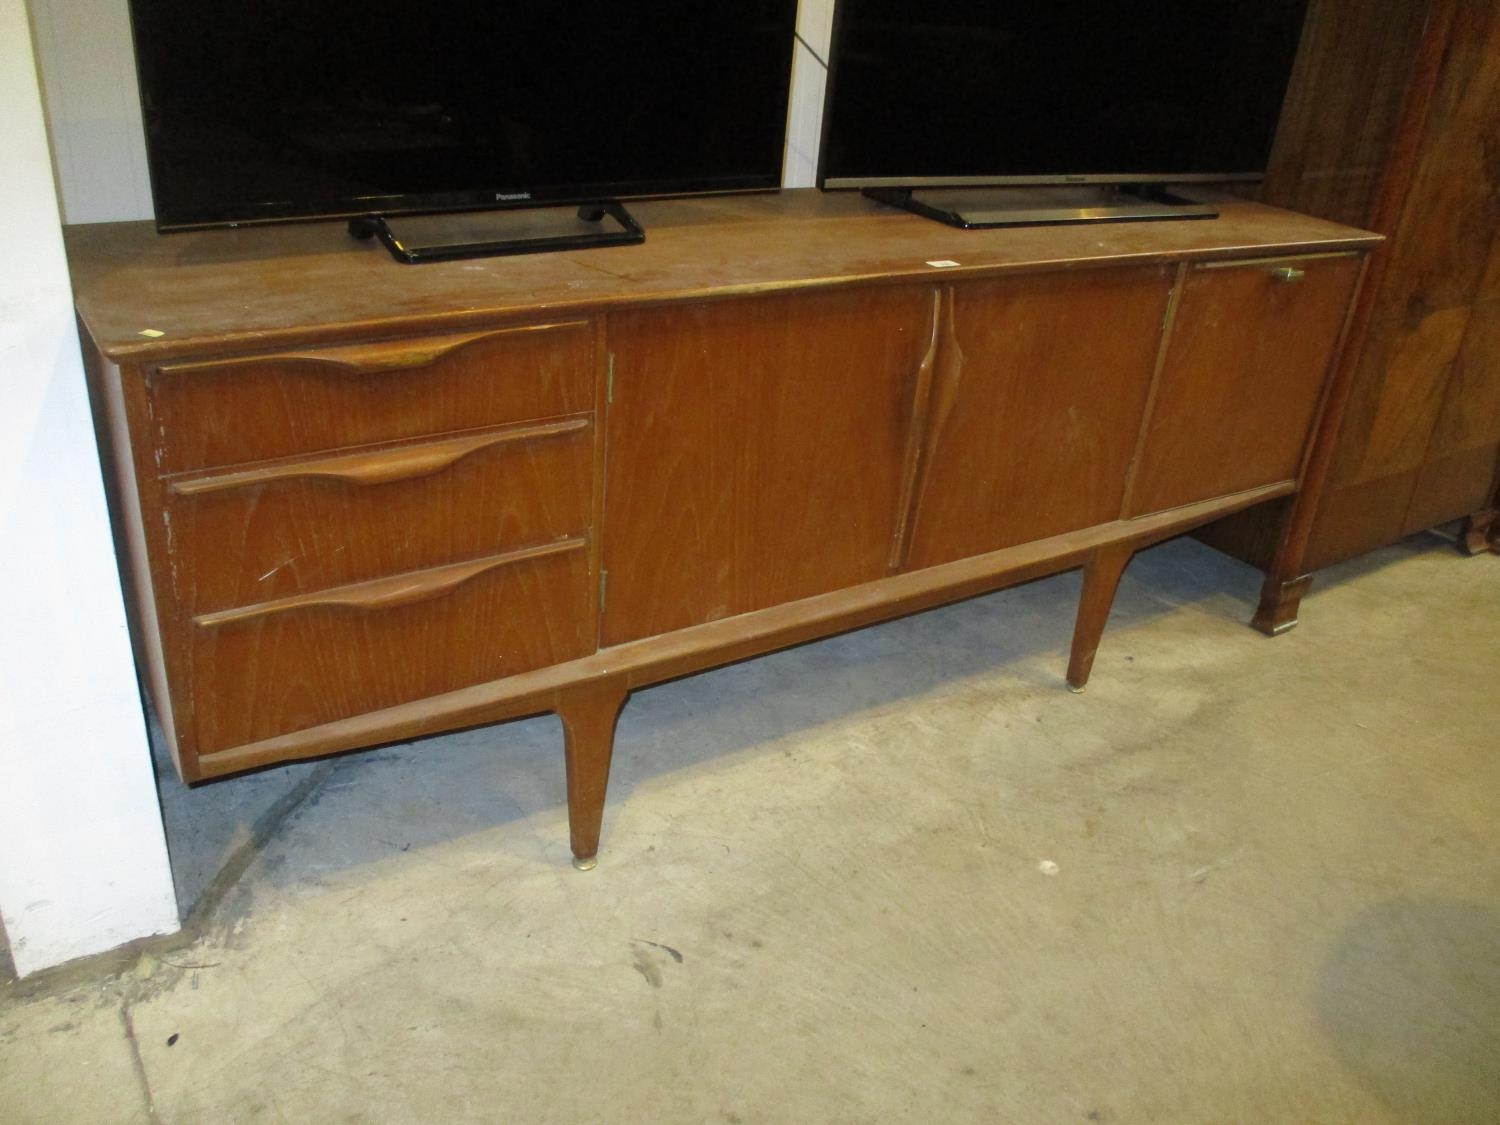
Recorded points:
361,502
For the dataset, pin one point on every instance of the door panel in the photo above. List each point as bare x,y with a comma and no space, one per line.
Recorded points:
1050,386
754,452
1244,373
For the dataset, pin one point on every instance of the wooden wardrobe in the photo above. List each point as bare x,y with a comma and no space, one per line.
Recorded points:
1392,123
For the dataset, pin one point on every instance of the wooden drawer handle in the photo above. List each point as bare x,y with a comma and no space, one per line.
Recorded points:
916,437
380,466
388,593
384,355
937,381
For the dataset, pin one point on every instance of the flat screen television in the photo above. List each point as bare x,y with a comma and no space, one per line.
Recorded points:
960,93
273,110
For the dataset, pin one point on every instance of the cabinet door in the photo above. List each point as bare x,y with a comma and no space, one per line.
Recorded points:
1040,387
754,451
1242,379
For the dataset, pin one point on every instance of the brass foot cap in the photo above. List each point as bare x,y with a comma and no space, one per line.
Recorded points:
1075,690
586,864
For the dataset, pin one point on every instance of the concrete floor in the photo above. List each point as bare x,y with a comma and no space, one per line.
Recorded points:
896,876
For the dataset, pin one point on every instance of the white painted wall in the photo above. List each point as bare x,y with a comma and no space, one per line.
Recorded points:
94,110
83,859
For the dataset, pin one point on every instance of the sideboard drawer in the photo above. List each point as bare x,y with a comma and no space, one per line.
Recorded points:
289,664
227,412
287,527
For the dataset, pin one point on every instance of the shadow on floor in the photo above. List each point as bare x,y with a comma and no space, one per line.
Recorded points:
435,790
1410,1001
1441,541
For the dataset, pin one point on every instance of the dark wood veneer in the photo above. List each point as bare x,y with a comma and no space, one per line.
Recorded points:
1392,122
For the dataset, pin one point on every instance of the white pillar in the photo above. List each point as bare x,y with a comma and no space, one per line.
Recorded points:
83,858
805,113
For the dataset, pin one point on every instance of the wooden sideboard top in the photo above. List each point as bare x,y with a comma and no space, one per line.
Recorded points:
262,287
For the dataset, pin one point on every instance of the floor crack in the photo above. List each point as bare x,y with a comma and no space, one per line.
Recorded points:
138,1063
200,916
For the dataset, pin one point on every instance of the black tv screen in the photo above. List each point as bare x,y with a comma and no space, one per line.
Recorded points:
953,92
259,110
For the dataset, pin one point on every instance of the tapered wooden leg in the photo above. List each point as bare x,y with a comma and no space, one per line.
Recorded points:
589,713
1101,578
1279,604
1480,533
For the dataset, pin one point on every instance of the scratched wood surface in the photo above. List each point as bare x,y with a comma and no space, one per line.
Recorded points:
227,291
311,523
360,649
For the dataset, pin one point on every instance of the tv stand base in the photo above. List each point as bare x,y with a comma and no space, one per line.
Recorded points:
981,208
471,234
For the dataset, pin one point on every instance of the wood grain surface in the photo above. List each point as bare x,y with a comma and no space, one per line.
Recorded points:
1247,362
679,653
1406,98
1044,408
226,412
1344,106
755,452
309,524
342,653
233,291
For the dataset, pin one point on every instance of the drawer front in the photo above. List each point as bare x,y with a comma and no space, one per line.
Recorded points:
284,666
230,412
1244,371
289,527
